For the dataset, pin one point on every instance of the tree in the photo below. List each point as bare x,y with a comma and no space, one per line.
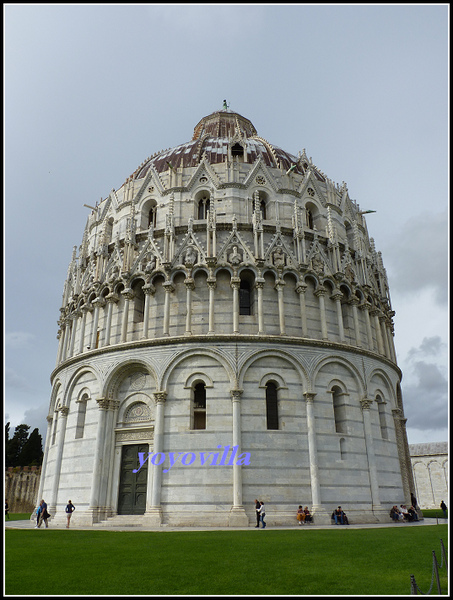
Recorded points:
31,453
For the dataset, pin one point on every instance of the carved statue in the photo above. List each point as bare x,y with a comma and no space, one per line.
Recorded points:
191,256
235,258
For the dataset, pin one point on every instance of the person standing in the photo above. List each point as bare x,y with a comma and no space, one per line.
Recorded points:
6,509
70,508
39,515
42,514
257,510
444,508
262,514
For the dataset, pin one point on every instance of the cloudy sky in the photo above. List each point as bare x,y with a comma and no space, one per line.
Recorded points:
93,90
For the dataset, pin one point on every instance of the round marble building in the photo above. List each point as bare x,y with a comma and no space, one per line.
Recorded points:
226,334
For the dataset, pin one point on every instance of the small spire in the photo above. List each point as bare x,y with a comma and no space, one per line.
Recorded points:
225,105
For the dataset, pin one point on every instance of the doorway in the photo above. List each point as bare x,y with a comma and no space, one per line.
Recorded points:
132,488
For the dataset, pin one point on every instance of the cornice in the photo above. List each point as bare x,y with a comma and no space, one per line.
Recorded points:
224,339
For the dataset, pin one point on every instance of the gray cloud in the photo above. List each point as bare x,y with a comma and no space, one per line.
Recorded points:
432,346
417,256
426,400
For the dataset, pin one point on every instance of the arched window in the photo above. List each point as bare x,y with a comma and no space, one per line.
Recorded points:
271,405
237,152
382,418
339,410
81,415
139,302
199,406
203,206
245,298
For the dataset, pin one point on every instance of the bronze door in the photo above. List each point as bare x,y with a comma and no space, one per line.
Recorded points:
132,490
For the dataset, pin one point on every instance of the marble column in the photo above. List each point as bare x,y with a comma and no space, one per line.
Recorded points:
169,288
63,414
279,285
98,303
336,297
128,295
354,302
98,462
154,512
111,300
190,286
320,293
235,284
86,308
74,318
317,508
211,283
301,288
375,314
259,285
237,516
403,454
149,291
366,306
44,460
366,405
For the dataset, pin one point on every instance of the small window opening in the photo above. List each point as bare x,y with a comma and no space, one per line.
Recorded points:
245,298
199,406
81,415
203,207
237,152
271,405
339,410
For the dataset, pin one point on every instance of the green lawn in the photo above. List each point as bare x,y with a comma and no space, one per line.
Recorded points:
294,562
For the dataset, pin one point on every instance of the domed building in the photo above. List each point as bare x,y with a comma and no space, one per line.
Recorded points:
226,334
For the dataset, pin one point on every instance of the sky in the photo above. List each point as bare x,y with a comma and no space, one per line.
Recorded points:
91,91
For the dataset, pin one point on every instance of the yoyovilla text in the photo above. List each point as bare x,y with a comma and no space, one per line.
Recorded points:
188,458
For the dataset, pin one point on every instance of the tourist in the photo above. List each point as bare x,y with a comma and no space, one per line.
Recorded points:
412,514
70,508
395,513
262,514
338,515
404,512
300,516
444,508
308,516
42,515
257,510
6,509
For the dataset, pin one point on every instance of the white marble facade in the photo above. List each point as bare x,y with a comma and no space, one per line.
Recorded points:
226,299
430,472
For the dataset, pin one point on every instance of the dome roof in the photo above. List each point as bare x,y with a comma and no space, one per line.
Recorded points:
213,136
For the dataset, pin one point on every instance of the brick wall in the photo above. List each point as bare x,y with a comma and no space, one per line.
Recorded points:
21,488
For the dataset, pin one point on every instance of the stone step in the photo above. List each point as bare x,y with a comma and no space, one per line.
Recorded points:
122,521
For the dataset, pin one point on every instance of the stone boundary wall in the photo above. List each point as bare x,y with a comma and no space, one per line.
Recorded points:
430,469
21,488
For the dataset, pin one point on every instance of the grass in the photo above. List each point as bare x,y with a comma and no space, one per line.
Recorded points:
18,517
433,513
294,562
